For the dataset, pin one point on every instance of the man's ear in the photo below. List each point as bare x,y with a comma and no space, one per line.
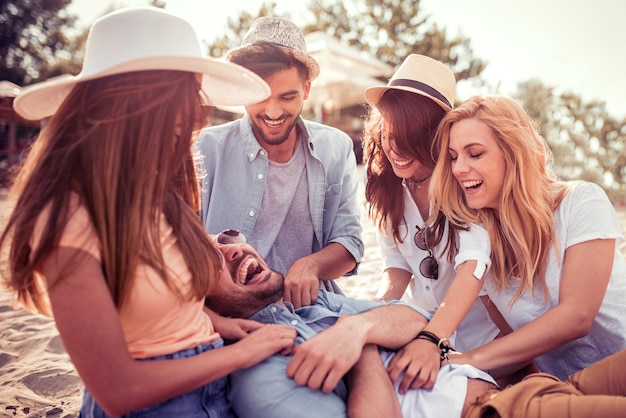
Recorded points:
307,88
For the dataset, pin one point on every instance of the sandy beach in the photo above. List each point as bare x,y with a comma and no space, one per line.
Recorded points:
37,378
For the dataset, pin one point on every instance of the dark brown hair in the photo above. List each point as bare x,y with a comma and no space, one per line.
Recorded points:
414,119
266,59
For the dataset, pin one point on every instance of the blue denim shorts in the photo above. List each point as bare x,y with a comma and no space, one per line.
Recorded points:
206,401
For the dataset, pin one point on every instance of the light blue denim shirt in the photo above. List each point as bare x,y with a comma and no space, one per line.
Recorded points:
233,170
264,390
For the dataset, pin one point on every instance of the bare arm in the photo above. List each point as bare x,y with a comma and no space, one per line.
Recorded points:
420,359
302,279
393,284
89,326
586,272
322,360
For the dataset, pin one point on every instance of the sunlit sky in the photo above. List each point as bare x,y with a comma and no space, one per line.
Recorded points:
572,45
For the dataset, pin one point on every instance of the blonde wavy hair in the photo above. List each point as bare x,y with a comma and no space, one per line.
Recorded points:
522,229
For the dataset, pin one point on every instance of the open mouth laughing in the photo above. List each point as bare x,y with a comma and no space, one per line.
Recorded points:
402,163
250,271
471,184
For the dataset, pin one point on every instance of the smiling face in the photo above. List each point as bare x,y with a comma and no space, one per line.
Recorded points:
477,163
405,124
246,283
274,119
403,166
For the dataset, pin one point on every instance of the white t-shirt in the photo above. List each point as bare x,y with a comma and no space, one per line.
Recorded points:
585,214
477,328
446,398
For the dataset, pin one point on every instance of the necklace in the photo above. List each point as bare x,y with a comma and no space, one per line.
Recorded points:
416,184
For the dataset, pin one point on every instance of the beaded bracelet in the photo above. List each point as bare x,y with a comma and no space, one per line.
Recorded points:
444,349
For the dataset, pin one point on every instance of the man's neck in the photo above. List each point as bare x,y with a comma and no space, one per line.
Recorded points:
282,153
280,302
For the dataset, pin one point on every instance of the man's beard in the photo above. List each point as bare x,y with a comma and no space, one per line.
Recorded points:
246,304
260,135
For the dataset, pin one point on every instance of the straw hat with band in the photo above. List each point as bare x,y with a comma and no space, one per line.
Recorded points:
281,32
421,75
139,39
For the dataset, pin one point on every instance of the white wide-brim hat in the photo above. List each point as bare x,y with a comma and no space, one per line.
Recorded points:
421,75
141,39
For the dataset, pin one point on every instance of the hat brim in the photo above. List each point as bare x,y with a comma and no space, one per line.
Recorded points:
373,95
225,84
306,59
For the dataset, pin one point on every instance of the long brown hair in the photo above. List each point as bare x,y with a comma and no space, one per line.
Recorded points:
122,144
522,230
414,119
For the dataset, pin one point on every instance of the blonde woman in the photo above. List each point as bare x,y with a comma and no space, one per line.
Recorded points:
557,276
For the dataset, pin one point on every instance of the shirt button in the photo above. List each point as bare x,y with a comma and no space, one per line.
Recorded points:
251,213
294,322
273,309
263,152
259,176
427,287
251,155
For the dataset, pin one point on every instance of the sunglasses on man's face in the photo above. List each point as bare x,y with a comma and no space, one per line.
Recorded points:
228,237
428,266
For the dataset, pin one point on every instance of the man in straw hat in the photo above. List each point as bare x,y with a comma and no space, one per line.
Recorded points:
288,184
105,232
339,336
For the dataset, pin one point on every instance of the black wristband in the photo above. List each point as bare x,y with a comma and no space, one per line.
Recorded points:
426,335
442,345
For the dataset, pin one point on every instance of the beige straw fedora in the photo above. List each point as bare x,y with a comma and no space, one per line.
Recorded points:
281,32
138,39
422,75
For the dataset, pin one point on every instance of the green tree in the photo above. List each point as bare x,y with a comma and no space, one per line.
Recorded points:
39,40
587,142
387,29
32,37
392,29
237,28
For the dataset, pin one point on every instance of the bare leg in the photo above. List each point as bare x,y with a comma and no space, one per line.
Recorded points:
371,391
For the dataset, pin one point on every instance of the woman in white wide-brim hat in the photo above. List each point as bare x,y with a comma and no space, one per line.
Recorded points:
440,267
105,233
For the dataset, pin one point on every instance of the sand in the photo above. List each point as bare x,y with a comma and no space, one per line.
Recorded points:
37,378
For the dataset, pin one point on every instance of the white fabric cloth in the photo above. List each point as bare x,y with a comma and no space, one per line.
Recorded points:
446,398
477,328
585,214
